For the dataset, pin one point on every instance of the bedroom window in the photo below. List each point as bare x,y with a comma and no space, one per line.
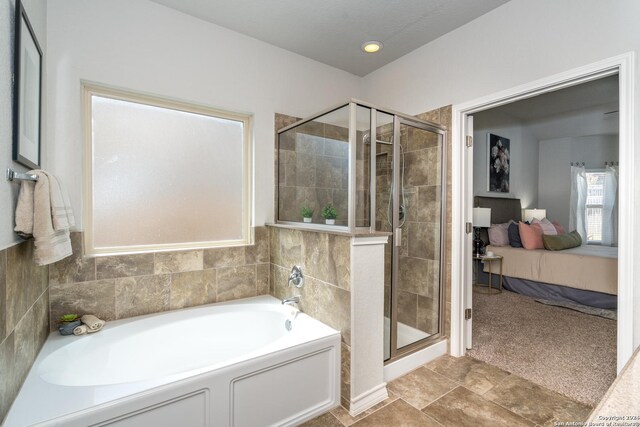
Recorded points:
595,205
163,174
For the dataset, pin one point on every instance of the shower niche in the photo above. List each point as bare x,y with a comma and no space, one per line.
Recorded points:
378,171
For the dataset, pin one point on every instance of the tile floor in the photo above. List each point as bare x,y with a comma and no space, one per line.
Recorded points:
461,392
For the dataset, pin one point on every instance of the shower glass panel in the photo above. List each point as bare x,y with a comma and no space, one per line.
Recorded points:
313,168
384,210
363,166
419,218
382,172
409,173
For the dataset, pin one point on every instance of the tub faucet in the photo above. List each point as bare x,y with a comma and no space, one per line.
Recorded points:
291,300
296,277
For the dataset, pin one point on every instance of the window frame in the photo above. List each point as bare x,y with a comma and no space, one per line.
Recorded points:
592,206
89,90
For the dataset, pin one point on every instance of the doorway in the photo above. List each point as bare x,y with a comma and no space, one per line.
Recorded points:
462,200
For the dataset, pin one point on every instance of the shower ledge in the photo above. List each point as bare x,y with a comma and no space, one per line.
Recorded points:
319,228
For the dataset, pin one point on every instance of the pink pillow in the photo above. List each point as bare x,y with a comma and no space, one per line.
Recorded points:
559,228
531,236
546,226
498,234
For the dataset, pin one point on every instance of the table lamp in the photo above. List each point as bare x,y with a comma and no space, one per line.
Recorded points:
531,214
481,218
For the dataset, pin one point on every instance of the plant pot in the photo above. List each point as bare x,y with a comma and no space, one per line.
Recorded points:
330,221
306,219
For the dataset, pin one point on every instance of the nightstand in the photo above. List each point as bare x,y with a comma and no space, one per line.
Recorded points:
487,288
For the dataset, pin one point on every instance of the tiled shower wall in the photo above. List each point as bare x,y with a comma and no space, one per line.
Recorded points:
418,300
116,287
325,259
443,117
313,170
24,317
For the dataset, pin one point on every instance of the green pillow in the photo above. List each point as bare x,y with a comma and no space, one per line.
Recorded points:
561,241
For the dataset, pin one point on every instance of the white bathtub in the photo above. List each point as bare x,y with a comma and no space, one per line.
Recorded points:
231,364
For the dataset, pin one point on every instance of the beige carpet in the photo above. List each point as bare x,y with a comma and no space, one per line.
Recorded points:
563,350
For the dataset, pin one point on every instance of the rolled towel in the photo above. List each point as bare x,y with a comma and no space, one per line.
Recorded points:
68,327
92,322
81,330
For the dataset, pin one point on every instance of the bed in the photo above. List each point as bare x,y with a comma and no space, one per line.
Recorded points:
585,275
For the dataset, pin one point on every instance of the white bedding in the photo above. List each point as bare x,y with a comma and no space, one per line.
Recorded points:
592,268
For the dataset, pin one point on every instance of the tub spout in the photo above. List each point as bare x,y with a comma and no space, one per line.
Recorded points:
291,300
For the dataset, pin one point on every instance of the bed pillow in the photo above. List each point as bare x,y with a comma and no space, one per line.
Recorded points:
559,228
531,236
514,235
546,226
562,241
499,234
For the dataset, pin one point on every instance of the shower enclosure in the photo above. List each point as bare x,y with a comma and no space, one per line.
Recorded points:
380,171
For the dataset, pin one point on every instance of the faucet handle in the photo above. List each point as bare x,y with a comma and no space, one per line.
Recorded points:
296,277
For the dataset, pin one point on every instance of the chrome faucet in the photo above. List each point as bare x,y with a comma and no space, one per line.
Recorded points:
291,300
296,277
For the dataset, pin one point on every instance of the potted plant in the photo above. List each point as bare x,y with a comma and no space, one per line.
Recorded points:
307,213
329,213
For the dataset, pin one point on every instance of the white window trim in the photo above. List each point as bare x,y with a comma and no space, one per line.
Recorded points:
90,89
595,206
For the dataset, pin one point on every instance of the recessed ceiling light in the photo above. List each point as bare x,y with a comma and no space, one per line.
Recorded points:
371,46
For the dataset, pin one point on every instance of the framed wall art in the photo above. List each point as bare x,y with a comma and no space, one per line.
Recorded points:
499,159
27,93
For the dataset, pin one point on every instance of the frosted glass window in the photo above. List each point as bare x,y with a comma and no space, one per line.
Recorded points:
165,176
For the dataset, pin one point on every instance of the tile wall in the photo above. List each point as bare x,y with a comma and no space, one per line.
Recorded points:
313,170
325,259
24,317
419,265
443,117
117,287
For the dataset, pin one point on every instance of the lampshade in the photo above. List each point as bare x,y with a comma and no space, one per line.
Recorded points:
482,217
530,214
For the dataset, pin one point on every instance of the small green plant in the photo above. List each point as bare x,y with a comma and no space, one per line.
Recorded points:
306,212
68,318
329,212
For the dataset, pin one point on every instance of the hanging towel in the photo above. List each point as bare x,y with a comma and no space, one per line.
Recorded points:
61,213
38,204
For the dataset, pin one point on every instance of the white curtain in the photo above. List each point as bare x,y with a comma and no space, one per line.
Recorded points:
610,207
578,202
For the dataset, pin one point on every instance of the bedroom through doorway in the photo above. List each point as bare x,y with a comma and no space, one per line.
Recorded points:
545,209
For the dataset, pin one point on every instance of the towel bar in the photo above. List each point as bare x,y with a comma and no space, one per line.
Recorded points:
13,175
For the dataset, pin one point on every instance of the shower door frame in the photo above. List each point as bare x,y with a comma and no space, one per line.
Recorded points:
351,228
395,352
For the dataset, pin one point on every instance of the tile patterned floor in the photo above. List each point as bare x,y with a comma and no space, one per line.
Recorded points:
461,392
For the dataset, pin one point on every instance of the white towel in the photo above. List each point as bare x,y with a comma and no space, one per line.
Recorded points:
38,204
61,213
92,322
80,330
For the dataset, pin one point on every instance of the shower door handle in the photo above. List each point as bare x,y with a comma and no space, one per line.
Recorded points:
398,237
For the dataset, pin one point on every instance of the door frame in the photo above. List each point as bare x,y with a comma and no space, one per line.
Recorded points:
462,191
396,186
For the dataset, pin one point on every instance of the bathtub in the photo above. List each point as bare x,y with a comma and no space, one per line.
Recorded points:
229,364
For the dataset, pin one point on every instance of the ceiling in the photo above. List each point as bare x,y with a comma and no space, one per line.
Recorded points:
596,94
584,109
332,31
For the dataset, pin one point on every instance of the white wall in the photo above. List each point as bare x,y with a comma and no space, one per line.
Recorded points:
142,46
555,170
37,13
523,175
516,43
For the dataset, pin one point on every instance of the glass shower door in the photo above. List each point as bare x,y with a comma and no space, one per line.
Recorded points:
416,292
